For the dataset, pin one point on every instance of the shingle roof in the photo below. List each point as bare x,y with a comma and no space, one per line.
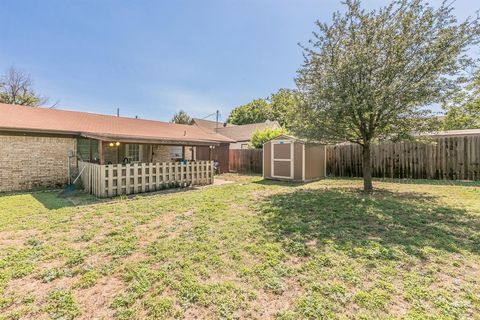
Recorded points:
103,127
211,125
244,132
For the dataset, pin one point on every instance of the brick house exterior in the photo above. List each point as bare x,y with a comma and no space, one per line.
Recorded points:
29,162
40,147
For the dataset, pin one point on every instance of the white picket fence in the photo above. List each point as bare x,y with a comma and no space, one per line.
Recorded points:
122,179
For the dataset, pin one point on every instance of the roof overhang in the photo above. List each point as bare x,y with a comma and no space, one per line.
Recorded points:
152,140
107,137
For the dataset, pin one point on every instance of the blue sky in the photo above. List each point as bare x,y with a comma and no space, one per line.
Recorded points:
152,58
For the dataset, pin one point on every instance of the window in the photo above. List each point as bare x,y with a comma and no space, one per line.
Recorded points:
176,152
87,149
133,152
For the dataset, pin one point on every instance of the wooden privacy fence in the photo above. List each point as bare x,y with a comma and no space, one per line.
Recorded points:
119,179
455,158
245,160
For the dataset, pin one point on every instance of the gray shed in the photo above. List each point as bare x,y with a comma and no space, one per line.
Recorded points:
289,158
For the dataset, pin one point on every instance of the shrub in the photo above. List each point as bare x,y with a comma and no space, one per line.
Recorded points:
263,135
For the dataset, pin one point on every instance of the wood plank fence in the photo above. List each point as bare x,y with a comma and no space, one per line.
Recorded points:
453,158
245,160
119,179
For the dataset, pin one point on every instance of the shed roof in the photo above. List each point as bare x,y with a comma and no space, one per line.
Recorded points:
102,127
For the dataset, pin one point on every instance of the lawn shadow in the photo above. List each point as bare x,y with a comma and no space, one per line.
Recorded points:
384,224
462,183
282,183
53,199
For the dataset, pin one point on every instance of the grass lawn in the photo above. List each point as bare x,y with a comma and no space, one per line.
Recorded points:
250,250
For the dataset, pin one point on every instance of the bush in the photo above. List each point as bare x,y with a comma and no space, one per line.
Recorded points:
263,135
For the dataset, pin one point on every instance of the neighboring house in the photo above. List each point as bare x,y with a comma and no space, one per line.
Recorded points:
39,146
241,134
211,125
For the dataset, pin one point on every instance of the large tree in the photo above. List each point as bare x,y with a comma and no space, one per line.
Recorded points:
181,117
282,104
369,75
16,87
463,109
277,107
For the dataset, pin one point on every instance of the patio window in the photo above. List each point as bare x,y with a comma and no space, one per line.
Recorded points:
176,152
87,149
133,152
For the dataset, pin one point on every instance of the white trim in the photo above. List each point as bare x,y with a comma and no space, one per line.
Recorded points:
303,161
263,161
291,160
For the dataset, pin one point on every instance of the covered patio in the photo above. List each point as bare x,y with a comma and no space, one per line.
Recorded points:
117,165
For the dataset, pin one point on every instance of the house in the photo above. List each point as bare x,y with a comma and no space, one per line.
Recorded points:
211,125
41,147
241,134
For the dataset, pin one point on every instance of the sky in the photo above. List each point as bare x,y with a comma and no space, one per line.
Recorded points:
151,58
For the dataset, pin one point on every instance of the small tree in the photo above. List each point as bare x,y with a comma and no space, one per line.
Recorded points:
254,112
16,87
463,110
369,75
261,136
181,117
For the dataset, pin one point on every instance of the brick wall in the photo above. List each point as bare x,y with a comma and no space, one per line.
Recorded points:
161,153
28,162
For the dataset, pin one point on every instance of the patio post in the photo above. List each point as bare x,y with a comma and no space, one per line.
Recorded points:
100,152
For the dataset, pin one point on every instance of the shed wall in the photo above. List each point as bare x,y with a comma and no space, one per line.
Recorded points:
315,166
298,161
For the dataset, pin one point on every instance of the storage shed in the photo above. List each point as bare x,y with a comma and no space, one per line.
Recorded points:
289,158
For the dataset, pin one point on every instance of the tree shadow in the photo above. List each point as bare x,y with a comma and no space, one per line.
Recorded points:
462,183
382,225
52,199
282,183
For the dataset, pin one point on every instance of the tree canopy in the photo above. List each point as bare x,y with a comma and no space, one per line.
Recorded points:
181,117
277,107
16,87
253,112
368,75
463,110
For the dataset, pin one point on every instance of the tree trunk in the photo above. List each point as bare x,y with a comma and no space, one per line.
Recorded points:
367,168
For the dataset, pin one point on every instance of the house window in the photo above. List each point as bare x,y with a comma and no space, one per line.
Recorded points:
87,149
176,152
133,152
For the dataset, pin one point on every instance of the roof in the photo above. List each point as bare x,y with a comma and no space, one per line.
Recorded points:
464,132
296,139
102,127
244,132
211,125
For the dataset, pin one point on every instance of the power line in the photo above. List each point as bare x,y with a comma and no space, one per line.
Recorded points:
212,114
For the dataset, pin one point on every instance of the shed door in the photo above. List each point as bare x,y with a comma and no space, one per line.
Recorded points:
282,159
